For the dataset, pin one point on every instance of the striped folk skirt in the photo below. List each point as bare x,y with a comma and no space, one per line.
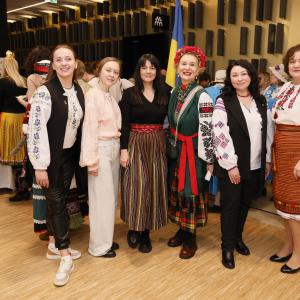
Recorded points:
10,136
144,180
286,153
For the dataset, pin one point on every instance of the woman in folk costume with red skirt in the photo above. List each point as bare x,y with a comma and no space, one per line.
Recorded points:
286,162
189,113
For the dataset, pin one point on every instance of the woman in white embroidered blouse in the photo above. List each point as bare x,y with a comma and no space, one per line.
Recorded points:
53,142
286,162
100,152
240,132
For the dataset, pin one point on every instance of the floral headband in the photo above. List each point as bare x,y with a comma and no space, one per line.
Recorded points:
9,54
190,50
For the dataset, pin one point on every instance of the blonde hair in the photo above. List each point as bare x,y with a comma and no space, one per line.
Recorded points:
104,61
11,70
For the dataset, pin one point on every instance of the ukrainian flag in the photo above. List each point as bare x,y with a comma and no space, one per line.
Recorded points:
176,43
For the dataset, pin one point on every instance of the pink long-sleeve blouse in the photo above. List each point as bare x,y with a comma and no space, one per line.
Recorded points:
102,122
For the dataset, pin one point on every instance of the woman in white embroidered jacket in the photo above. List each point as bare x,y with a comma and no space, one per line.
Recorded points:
240,133
54,135
100,152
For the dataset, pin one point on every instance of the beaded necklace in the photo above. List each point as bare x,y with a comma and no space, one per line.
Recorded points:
182,92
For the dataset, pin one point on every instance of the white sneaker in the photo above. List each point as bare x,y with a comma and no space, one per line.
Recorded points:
65,268
55,254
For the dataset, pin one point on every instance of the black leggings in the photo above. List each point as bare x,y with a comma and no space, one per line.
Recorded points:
57,214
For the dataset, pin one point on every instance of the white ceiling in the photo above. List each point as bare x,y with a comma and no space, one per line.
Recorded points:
37,10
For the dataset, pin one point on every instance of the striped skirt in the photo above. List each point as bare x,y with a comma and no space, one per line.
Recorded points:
10,136
144,182
286,153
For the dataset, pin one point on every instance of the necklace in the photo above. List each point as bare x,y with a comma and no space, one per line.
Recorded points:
243,96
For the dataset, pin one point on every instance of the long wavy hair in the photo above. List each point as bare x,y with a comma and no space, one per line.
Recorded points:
229,91
158,84
51,72
11,70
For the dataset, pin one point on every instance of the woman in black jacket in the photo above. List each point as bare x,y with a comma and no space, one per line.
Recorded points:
240,133
54,138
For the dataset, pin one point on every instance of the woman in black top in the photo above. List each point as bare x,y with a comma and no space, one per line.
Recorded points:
12,112
143,157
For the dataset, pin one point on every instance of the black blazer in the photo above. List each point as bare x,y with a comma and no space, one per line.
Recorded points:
56,127
240,136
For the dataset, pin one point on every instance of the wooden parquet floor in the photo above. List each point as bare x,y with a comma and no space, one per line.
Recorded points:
25,273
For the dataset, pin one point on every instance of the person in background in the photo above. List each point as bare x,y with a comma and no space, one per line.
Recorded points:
286,162
143,154
240,134
214,91
277,78
204,79
12,112
54,138
119,87
189,114
90,74
80,72
100,152
263,81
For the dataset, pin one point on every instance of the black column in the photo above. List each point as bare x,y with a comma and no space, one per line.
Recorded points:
3,31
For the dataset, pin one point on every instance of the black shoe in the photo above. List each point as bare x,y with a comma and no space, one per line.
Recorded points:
228,259
115,246
276,258
177,239
242,248
133,238
214,209
145,243
287,270
20,196
110,254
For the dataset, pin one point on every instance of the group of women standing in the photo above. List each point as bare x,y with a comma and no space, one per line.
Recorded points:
67,128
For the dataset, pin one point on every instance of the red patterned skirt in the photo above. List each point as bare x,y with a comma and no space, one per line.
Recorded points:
286,153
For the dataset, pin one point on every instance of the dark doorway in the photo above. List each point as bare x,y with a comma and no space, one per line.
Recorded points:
133,47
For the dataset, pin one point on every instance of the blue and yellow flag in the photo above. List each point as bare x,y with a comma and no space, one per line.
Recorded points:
176,43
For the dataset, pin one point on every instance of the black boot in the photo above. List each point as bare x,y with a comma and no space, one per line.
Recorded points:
145,243
189,245
20,196
133,238
177,239
228,259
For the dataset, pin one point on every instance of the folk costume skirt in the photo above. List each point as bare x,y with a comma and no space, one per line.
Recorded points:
144,180
10,135
286,153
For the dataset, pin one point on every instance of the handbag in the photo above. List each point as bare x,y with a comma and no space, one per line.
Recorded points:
171,143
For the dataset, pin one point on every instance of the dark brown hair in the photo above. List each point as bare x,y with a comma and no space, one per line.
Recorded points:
158,85
288,56
52,73
36,54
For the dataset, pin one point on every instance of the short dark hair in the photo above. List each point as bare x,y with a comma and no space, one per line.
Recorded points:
203,76
289,54
228,91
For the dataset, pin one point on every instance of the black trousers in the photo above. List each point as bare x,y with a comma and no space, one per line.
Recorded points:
57,215
235,203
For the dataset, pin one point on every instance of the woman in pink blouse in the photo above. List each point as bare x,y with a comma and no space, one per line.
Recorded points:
100,152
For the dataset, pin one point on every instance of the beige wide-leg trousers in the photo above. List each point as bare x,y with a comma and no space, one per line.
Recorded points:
103,196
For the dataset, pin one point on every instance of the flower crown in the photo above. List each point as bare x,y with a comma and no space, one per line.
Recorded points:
9,54
190,50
